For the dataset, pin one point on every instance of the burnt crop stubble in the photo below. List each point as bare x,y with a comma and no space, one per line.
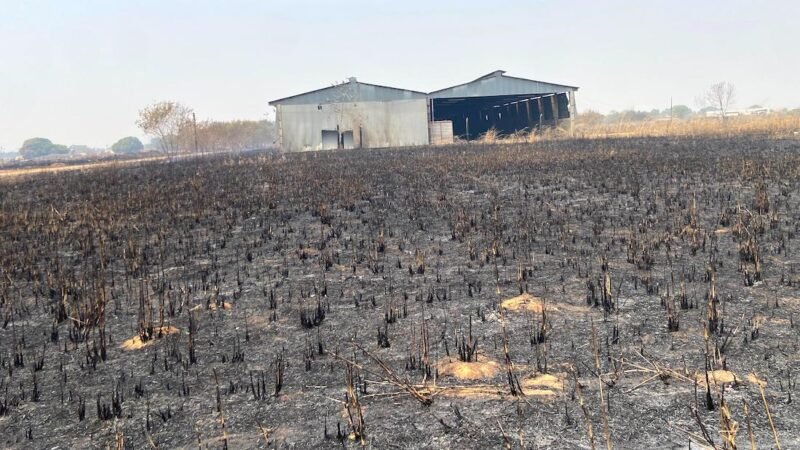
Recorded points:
630,293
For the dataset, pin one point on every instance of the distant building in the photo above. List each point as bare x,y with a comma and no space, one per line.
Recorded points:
752,111
362,115
8,156
85,150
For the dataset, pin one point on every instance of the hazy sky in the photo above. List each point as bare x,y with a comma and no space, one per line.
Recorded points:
78,71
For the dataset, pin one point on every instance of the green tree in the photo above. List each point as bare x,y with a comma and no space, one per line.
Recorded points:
37,147
127,146
681,112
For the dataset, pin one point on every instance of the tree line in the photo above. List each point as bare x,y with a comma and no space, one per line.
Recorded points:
718,99
173,130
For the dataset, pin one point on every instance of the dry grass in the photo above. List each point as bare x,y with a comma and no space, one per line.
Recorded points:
213,307
489,392
136,342
752,378
529,303
66,167
482,369
719,377
541,385
524,302
490,137
544,381
474,392
773,125
522,137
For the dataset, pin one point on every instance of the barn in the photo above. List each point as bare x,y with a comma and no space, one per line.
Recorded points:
362,115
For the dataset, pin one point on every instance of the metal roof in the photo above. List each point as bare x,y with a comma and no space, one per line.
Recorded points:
350,91
497,83
493,84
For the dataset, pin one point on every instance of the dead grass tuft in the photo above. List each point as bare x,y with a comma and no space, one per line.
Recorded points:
136,342
213,307
482,369
719,377
490,137
525,302
544,380
752,378
774,125
490,391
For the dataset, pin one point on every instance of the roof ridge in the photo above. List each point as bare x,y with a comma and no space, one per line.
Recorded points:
351,81
496,73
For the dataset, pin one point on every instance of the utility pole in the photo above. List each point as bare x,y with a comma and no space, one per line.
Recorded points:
669,127
194,128
670,110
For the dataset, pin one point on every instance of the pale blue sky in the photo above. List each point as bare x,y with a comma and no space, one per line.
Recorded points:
78,71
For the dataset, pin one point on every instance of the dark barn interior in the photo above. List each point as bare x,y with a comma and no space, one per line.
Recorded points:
474,116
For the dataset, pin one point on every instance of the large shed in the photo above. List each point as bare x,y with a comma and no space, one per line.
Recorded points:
504,103
355,114
352,115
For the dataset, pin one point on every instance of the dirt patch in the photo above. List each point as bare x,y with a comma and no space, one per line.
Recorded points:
136,342
213,307
525,302
543,385
482,369
752,378
719,377
489,392
544,380
474,392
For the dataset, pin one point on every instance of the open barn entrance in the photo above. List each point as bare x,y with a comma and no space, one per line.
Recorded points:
474,116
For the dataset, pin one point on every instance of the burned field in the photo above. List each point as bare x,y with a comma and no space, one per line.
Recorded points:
567,294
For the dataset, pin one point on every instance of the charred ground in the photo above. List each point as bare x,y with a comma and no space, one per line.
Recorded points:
557,295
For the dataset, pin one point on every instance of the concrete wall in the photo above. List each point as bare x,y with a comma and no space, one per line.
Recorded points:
441,132
382,124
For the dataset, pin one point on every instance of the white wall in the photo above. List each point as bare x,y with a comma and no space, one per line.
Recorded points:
383,124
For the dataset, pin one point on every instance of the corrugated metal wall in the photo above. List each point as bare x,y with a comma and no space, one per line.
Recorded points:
374,124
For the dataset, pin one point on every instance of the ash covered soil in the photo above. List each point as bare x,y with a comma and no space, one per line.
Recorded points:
555,295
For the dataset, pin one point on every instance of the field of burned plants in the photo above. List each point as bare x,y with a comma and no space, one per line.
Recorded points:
634,293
